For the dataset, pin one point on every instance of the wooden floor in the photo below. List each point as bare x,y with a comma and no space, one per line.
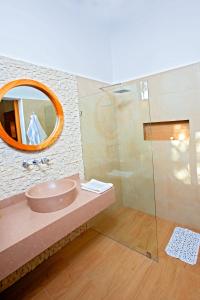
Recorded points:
130,227
94,267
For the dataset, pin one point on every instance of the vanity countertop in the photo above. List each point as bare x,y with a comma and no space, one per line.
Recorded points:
24,233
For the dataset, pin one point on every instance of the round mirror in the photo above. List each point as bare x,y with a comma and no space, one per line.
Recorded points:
31,116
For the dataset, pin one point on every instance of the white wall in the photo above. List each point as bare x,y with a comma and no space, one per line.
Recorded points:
152,36
69,35
108,40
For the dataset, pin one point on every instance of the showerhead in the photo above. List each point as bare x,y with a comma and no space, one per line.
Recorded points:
122,91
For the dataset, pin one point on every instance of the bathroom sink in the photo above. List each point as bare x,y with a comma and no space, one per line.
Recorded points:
52,196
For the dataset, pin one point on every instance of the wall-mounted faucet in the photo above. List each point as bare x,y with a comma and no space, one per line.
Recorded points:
45,160
35,162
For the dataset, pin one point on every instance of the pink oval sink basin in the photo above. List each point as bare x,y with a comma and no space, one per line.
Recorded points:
52,196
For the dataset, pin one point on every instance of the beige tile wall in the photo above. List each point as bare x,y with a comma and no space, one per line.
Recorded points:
175,95
99,133
135,154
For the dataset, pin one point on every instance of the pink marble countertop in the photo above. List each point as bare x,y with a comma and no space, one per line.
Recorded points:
20,226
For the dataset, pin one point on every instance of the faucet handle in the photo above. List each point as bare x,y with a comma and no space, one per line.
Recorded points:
45,160
26,164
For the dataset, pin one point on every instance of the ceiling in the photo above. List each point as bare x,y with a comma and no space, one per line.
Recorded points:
108,40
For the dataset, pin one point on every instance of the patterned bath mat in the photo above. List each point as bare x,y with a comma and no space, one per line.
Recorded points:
184,244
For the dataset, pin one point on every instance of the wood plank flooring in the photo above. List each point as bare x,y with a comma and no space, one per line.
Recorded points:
94,267
130,227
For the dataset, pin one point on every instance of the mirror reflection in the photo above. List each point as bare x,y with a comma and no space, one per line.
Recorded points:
27,115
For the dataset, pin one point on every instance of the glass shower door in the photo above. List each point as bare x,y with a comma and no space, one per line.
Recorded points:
115,150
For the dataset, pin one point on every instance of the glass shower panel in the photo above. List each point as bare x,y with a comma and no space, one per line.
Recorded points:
114,150
100,139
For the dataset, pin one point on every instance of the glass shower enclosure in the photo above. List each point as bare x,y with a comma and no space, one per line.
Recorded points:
115,150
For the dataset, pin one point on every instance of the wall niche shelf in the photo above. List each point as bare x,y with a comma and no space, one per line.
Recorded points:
167,130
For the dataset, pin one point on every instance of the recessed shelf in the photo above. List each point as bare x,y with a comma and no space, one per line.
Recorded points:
167,130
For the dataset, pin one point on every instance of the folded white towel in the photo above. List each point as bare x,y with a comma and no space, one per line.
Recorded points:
96,186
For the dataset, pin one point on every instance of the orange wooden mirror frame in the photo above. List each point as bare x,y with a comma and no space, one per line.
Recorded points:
58,108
